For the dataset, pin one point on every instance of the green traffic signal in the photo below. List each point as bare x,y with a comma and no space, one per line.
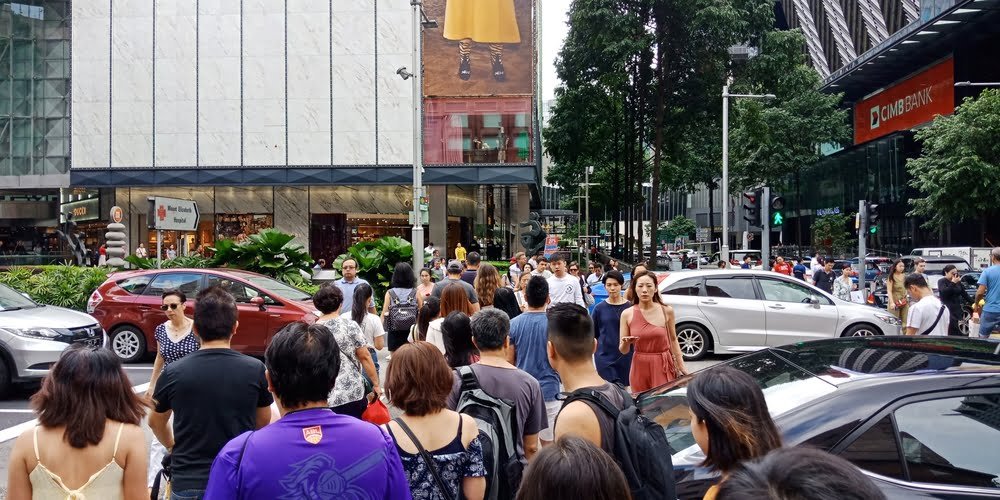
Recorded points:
873,229
777,219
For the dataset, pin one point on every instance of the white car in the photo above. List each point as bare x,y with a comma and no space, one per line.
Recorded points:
729,311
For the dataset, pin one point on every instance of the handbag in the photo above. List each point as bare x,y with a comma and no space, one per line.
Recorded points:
428,461
376,413
673,359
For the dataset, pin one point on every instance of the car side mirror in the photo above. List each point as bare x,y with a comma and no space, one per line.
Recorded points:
259,302
814,300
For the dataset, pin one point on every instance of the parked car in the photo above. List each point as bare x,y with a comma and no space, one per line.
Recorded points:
34,335
919,415
935,267
739,310
128,306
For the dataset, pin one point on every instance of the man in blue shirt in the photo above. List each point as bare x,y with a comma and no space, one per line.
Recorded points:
347,284
989,289
800,269
528,340
311,452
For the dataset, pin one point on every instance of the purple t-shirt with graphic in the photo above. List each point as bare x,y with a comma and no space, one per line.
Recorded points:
312,453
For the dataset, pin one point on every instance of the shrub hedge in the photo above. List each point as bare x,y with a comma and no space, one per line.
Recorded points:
63,286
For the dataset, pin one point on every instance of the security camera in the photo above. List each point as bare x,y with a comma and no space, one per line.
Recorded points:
405,75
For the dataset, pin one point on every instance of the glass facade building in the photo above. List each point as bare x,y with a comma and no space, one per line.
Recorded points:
34,88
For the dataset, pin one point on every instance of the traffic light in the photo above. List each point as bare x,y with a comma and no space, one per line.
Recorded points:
751,206
777,211
872,212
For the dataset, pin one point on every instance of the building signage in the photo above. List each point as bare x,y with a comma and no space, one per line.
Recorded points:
907,104
551,245
828,211
82,210
171,214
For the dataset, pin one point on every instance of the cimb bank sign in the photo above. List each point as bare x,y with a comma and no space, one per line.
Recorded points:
906,104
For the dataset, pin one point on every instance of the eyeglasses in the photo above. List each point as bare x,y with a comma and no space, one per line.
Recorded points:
169,306
574,270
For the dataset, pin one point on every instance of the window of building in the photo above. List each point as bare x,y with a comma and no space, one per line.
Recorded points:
491,130
34,85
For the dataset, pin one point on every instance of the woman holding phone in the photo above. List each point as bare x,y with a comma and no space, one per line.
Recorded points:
649,326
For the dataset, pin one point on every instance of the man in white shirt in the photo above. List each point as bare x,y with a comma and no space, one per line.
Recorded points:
596,273
542,269
520,259
562,286
927,316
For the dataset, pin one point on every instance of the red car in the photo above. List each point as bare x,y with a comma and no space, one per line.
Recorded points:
127,306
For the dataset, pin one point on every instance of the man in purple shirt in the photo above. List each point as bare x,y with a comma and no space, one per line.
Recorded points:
311,452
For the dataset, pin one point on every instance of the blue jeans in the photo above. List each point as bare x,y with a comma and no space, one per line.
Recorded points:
988,322
187,495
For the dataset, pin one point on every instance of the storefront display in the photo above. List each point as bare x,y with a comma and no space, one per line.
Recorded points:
239,226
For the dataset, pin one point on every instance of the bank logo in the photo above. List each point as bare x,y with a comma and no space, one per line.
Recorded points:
875,121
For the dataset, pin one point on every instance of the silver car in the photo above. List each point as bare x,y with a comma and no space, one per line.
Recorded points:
741,310
33,335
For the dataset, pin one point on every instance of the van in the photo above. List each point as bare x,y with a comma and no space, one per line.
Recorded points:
977,257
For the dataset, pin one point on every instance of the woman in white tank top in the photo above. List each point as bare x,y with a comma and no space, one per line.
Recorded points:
88,443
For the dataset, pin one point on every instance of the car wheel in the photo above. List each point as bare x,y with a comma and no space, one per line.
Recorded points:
129,343
693,341
862,330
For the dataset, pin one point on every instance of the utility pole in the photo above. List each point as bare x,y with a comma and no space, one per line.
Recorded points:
417,239
765,230
862,235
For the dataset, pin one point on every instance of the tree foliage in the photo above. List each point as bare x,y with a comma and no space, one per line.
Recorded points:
680,226
772,141
830,234
958,173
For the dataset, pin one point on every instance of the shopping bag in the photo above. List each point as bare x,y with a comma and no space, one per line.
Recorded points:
376,413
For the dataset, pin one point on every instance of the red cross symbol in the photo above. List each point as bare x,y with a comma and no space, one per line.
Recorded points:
161,213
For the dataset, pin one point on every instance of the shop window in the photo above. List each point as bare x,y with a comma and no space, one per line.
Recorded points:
493,130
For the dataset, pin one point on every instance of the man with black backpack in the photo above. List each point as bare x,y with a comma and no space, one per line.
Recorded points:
506,403
604,413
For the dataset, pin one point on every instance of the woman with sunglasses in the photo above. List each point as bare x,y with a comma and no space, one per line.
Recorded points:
574,270
174,340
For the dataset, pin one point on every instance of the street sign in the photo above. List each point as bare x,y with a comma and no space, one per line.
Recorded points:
117,214
172,214
424,217
702,234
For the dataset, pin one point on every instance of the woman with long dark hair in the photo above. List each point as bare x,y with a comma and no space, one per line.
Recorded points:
459,350
899,304
729,420
649,326
505,300
453,298
427,313
371,325
402,291
88,443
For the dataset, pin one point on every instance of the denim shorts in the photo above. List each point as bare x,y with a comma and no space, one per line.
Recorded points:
988,323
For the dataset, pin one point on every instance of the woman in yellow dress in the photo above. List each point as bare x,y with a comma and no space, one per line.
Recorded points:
481,21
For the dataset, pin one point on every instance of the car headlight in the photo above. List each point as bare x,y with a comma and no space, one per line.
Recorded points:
35,333
892,320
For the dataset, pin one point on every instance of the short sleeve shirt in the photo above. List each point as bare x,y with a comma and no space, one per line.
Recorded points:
350,384
924,312
214,395
469,290
513,385
991,278
347,287
372,328
529,336
312,453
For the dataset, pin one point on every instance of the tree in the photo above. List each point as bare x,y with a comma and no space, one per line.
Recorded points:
958,173
830,233
679,227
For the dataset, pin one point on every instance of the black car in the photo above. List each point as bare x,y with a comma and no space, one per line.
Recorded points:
920,415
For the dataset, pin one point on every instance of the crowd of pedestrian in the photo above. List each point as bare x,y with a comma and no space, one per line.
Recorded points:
507,387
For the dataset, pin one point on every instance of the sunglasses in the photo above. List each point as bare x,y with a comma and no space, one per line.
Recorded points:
169,306
573,270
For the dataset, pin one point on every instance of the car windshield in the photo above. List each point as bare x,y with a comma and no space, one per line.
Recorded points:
276,287
937,267
785,387
11,300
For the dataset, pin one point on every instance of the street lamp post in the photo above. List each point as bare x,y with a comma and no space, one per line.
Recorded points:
725,162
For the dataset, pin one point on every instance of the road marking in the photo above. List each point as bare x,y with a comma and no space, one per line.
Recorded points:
15,431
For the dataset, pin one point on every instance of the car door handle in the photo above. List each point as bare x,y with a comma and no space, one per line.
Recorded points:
144,308
709,302
776,306
275,315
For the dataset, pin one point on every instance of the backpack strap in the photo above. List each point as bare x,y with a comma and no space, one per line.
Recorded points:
592,396
394,299
468,377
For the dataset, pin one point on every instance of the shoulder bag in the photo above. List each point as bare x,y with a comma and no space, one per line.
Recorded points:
935,323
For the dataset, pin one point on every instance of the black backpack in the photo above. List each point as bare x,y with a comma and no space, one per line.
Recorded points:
640,446
402,314
497,422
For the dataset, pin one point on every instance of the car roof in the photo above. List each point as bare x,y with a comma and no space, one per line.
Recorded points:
940,258
846,361
242,274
